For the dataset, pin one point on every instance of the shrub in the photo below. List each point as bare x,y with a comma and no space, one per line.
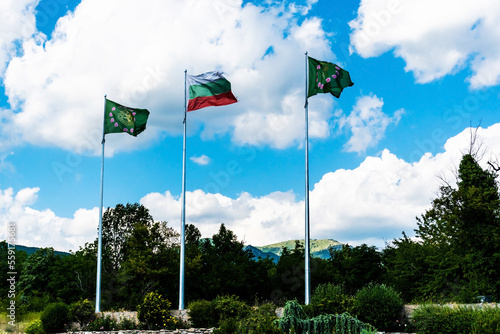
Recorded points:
202,314
55,317
35,327
127,324
260,321
81,312
227,326
329,299
432,319
378,305
155,312
294,320
487,321
102,324
230,307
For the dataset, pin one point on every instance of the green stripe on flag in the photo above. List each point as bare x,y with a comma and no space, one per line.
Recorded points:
212,88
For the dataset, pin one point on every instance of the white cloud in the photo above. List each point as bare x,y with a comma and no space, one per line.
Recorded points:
435,38
17,23
372,203
201,160
44,228
56,87
367,123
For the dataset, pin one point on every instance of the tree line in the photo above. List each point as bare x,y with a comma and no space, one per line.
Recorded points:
455,256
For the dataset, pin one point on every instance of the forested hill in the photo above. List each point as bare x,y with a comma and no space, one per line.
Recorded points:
319,248
30,250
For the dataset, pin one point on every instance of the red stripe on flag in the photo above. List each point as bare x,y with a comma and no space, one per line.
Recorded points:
211,101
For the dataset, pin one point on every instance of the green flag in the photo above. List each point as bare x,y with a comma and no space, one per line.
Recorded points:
326,77
118,118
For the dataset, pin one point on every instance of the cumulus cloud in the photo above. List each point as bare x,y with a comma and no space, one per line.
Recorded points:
17,23
367,123
43,228
372,203
435,38
56,85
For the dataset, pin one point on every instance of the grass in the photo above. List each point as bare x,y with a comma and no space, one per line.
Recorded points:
21,322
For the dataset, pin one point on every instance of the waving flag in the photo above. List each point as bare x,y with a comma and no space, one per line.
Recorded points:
326,77
118,118
209,89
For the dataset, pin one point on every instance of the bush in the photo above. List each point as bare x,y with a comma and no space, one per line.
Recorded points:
378,305
432,319
81,312
260,321
102,324
487,321
35,328
227,326
155,312
127,324
436,319
329,299
230,307
294,320
202,314
55,317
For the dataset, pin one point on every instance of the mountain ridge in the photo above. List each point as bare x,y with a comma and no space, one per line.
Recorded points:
318,247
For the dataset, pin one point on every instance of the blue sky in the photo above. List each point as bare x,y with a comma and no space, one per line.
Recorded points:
376,154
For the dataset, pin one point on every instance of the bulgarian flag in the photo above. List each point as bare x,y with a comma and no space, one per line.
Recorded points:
209,89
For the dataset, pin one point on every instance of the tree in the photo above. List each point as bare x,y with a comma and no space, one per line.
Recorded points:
290,274
405,267
355,267
117,226
230,269
463,228
150,263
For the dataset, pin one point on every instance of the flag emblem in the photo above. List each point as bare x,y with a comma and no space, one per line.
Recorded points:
325,77
119,118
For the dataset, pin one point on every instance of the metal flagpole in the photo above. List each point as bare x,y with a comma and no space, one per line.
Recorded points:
99,243
307,249
183,214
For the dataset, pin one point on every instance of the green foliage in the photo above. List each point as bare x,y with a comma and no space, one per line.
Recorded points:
202,314
35,327
102,324
436,319
487,321
227,326
259,321
154,312
330,299
55,317
127,324
81,312
442,320
228,268
378,305
230,307
294,320
289,277
354,267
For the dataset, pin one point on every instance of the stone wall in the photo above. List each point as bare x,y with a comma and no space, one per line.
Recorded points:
132,315
163,331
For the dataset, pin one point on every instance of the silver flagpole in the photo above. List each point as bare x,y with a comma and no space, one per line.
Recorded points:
183,214
307,255
99,242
